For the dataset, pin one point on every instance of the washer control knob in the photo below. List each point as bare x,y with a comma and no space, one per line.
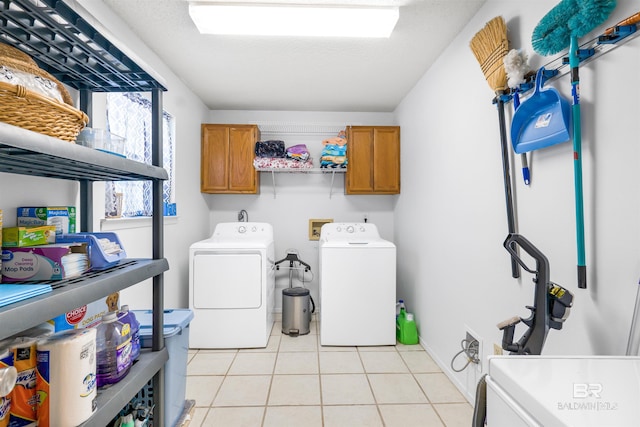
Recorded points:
254,229
350,229
242,229
338,229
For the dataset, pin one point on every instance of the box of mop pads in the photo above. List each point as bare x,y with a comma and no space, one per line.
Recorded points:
88,315
63,217
45,262
105,249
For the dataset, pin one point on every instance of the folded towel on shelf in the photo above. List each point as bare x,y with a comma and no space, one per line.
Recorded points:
280,163
333,162
298,152
270,148
334,150
298,149
341,139
327,164
298,157
338,160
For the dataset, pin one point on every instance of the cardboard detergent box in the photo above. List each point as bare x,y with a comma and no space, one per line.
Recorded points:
46,262
63,217
14,237
88,315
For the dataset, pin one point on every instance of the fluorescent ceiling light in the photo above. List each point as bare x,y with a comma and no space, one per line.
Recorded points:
293,20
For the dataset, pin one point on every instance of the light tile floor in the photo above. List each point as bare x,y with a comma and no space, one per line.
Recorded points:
296,382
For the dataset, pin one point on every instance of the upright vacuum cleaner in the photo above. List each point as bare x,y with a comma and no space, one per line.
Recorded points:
550,309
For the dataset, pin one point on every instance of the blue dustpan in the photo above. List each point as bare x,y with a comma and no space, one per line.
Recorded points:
542,120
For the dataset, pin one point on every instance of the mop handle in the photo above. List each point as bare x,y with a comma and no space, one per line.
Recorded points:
574,62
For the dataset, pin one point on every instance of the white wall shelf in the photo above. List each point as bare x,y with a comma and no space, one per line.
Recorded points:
331,171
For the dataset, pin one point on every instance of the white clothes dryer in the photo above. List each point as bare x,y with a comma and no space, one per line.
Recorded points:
357,286
232,287
542,391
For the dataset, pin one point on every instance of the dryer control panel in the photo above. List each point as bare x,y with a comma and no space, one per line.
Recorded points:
242,230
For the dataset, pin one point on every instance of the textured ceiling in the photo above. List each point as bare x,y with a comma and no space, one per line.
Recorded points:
299,74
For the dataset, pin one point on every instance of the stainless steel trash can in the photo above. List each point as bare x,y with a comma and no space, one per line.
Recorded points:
296,311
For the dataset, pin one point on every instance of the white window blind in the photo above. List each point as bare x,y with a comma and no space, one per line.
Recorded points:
129,116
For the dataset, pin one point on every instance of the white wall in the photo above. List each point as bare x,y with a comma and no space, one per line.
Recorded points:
450,220
300,197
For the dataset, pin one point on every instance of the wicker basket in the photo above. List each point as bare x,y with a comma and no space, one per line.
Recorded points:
33,111
29,110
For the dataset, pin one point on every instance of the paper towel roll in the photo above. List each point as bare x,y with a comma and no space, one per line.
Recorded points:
66,378
6,363
24,400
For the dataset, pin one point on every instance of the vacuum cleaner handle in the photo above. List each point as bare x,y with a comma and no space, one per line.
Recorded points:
508,328
541,259
534,337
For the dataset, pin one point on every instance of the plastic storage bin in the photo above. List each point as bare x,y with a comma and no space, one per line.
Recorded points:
176,335
98,258
102,140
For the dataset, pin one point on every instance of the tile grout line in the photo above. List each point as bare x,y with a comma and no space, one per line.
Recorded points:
322,421
273,371
413,374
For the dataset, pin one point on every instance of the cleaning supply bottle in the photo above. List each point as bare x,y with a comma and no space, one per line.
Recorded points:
113,350
406,330
399,306
129,318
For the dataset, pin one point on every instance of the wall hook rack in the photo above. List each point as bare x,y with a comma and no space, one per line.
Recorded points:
590,50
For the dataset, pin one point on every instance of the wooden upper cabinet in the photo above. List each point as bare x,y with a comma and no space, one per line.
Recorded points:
227,153
373,153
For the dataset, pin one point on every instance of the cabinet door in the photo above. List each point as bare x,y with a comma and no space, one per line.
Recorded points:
243,177
373,153
359,176
386,160
214,169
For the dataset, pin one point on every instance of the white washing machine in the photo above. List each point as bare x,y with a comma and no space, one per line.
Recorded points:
543,391
357,286
232,287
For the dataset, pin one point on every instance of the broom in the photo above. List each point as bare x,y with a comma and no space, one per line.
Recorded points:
557,30
490,46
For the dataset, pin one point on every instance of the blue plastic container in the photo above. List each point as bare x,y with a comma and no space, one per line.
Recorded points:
176,336
99,259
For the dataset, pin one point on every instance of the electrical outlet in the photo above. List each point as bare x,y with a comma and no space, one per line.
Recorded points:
497,349
473,348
